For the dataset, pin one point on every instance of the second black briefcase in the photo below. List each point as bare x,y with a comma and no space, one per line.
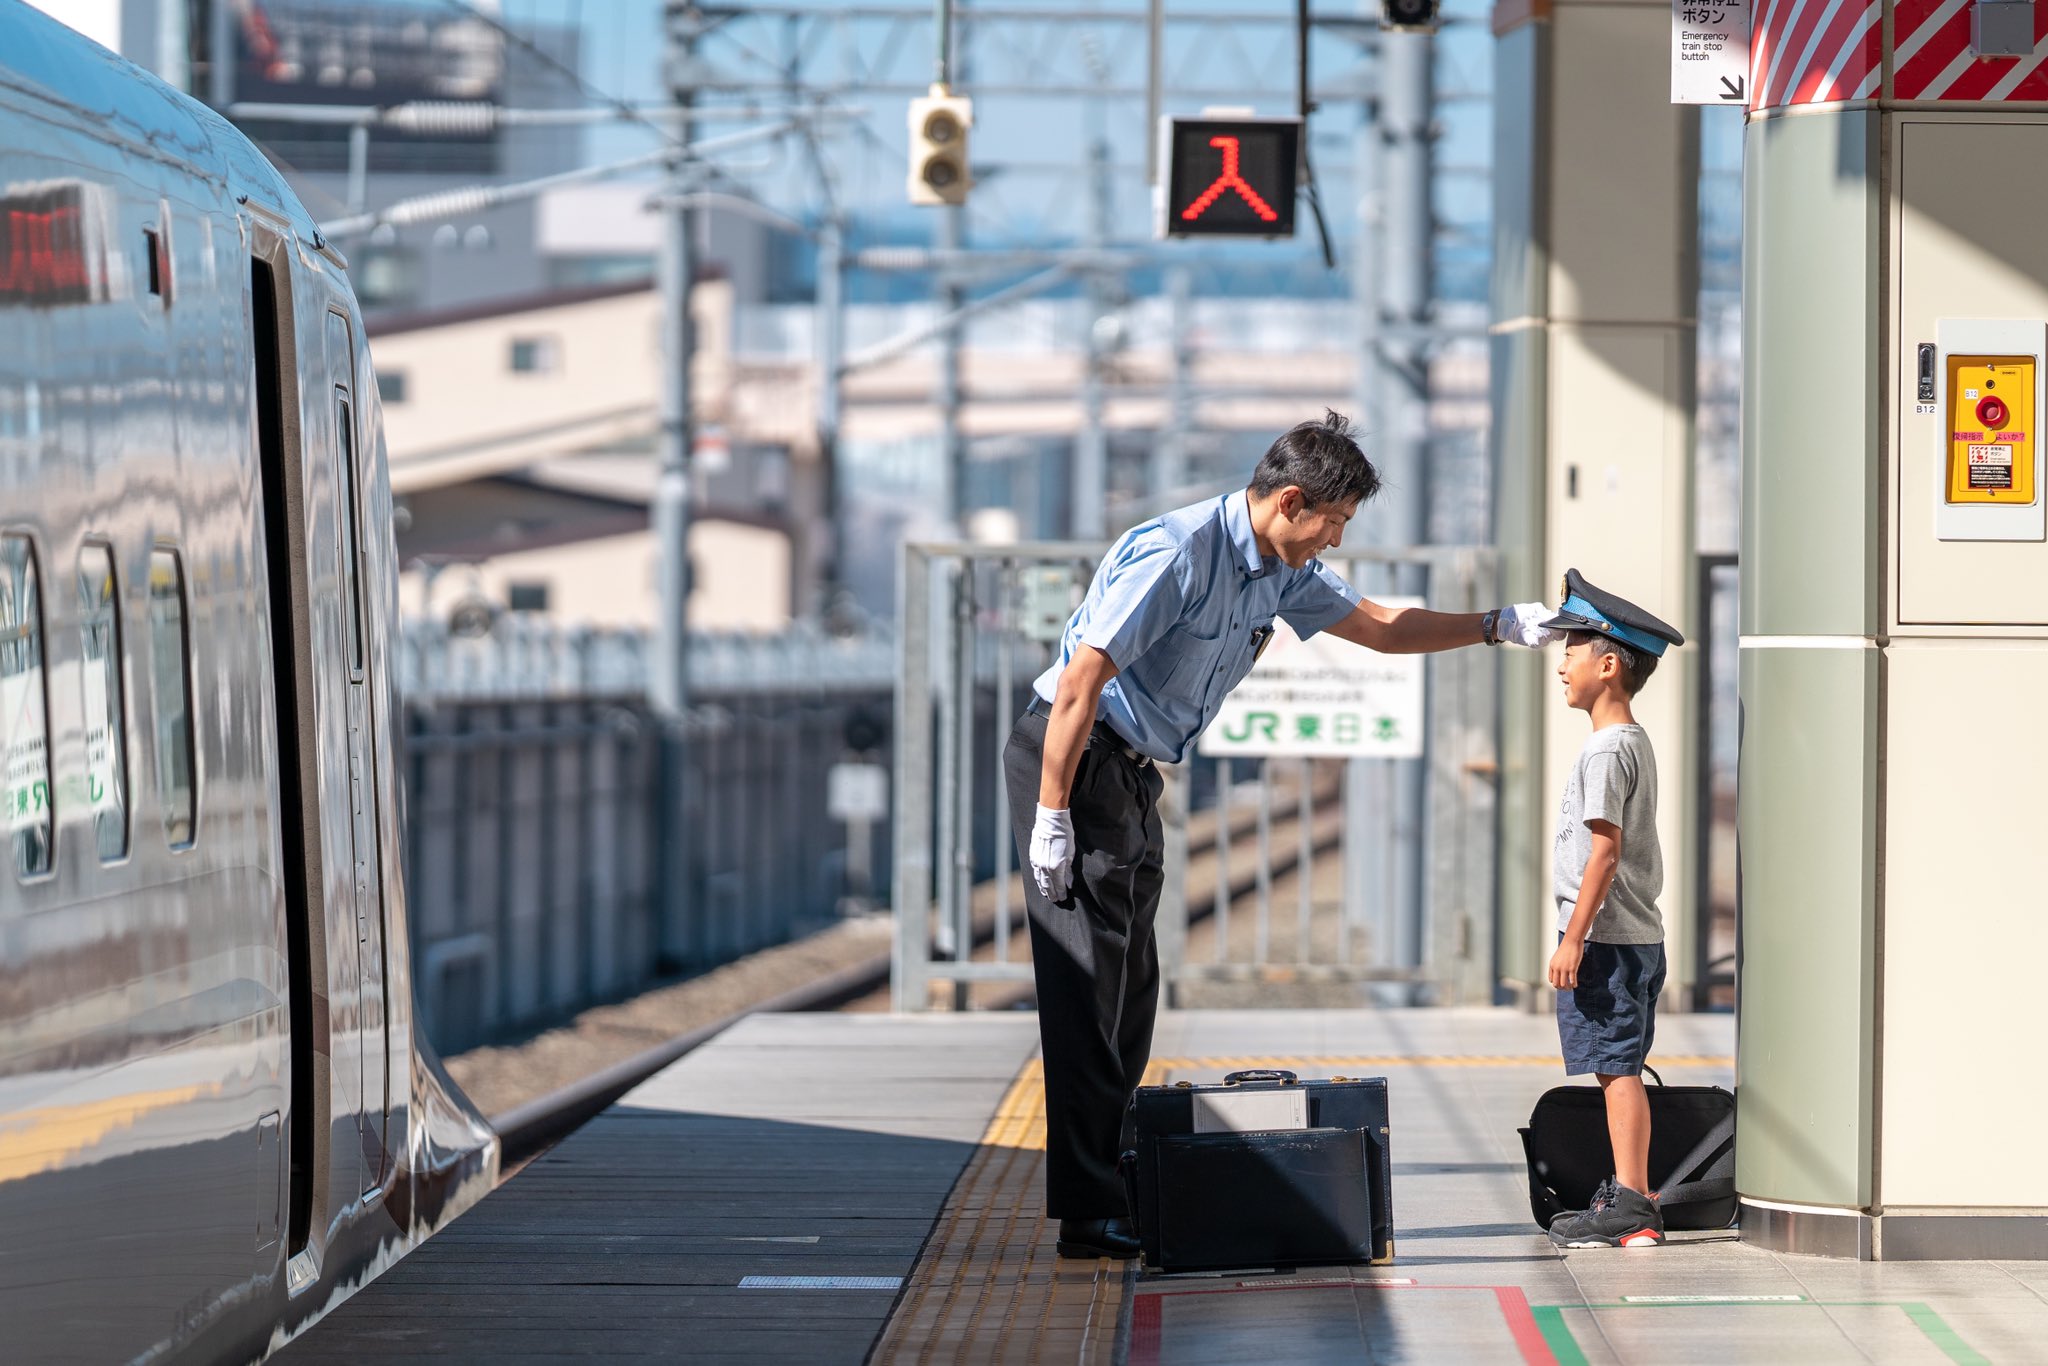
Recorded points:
1692,1152
1262,1170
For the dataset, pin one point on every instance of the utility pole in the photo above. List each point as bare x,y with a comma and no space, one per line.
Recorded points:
1367,845
952,447
1091,447
1170,452
1407,100
220,55
668,674
830,326
952,297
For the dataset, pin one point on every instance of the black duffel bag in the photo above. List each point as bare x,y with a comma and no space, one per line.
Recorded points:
1692,1152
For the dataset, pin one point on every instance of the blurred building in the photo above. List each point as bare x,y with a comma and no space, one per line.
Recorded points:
522,448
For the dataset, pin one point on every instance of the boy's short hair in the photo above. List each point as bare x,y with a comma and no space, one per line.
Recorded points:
1636,665
1322,459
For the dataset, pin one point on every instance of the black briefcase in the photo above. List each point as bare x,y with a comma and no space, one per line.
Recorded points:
1692,1152
1313,1190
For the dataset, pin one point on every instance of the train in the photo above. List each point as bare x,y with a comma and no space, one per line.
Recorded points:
218,1117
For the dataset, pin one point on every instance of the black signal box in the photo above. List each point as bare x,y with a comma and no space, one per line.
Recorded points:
1228,177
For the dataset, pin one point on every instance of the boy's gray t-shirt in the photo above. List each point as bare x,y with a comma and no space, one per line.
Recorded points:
1615,780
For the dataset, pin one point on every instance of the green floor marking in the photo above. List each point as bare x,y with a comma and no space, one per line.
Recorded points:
1942,1336
1550,1319
1557,1336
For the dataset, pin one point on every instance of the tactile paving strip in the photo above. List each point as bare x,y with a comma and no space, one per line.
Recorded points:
988,1287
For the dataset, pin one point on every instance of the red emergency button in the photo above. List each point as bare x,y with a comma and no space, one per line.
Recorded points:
1992,412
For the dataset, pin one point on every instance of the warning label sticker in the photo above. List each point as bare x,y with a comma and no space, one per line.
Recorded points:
1990,467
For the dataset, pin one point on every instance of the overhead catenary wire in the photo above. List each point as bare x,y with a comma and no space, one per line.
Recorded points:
624,107
472,198
476,117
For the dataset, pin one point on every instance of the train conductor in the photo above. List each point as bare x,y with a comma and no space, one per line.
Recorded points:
1176,614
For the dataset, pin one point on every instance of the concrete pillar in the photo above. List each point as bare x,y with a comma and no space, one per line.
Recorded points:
1892,799
1594,293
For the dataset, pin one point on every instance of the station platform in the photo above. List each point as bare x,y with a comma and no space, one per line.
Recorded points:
838,1189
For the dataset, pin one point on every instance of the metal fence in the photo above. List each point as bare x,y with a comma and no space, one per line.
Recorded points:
531,656
977,624
534,843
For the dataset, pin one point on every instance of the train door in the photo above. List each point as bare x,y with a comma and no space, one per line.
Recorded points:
278,428
353,661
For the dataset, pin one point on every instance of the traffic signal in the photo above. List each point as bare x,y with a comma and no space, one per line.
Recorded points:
1228,177
1419,15
938,148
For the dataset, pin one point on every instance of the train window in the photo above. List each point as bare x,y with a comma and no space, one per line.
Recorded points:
352,547
106,732
170,666
534,355
24,709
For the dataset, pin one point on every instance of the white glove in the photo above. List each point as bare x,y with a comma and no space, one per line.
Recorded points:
1519,625
1052,853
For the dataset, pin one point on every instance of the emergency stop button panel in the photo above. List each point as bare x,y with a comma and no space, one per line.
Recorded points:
1991,429
1992,373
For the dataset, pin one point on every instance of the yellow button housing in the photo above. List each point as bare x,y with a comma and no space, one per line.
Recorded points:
1991,465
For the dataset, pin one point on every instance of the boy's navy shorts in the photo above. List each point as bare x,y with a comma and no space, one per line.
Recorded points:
1607,1022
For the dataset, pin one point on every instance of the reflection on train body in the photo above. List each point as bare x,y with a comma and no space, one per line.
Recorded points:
216,1118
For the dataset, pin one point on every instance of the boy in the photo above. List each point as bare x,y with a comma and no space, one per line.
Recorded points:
1609,963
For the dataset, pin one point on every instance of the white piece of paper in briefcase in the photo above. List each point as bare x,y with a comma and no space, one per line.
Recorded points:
1246,1112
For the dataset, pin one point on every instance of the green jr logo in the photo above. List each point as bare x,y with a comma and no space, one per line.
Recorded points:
1264,723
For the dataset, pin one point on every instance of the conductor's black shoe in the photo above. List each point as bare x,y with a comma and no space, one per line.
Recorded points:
1097,1238
1631,1220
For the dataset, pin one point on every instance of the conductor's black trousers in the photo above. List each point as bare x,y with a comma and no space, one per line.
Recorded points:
1094,958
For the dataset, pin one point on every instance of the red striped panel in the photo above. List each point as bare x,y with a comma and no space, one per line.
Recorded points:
2034,85
1842,42
1799,23
1763,41
1923,74
1784,32
1932,35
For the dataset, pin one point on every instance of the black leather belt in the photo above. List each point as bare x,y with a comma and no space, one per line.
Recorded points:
1103,733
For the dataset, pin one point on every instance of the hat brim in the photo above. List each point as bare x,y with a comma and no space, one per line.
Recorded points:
1572,621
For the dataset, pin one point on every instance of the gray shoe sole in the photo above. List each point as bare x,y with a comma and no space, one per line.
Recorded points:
1641,1238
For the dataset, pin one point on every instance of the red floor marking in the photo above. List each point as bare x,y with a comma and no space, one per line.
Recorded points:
1514,1307
1145,1330
1147,1314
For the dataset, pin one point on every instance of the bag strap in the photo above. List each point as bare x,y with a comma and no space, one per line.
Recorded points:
1697,1159
1653,1074
1696,1192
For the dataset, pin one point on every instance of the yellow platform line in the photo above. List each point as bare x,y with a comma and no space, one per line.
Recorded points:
1156,1072
987,1286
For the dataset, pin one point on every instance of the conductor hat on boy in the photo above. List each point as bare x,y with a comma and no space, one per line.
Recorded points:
1586,608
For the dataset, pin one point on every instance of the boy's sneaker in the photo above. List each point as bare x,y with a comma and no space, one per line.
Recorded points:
1628,1219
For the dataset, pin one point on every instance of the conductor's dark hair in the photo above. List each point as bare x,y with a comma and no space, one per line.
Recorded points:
1322,459
1636,665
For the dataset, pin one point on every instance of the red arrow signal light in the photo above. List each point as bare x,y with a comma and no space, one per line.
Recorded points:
1228,177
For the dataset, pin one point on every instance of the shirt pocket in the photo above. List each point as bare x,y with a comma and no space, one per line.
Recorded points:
1191,661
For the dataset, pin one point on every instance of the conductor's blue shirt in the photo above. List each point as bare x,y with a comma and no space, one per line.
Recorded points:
1175,605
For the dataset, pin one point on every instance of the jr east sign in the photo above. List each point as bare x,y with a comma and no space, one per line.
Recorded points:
1323,697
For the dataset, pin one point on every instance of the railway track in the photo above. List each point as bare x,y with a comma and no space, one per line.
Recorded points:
530,1119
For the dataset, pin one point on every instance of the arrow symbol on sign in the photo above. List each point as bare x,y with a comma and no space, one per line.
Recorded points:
1731,87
